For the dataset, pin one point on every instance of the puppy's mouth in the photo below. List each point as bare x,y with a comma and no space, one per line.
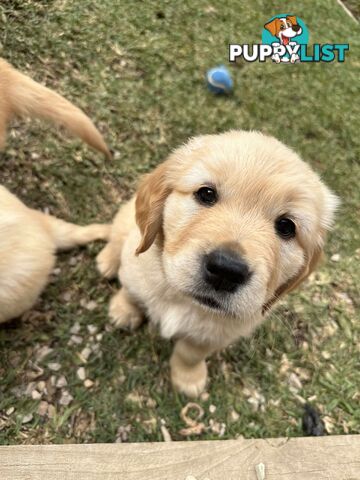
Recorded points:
290,35
285,39
207,302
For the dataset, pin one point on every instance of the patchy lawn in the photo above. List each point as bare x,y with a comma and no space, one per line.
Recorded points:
138,71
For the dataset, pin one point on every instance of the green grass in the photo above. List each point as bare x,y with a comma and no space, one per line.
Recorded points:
138,71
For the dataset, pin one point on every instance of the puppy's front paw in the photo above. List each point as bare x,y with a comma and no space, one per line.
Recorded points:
107,265
123,314
189,380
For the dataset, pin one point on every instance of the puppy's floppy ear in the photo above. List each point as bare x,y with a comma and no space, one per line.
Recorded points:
312,261
292,19
150,200
313,254
272,26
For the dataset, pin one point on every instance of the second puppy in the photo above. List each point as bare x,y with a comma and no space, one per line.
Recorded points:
28,238
28,242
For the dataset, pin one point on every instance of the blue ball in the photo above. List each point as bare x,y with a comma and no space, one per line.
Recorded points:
219,80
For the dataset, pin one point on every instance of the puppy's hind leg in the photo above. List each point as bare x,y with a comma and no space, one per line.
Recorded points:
3,125
123,312
108,260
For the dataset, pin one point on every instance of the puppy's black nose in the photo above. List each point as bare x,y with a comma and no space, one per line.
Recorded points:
225,270
296,28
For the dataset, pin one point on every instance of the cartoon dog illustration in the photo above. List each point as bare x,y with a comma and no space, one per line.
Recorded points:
285,29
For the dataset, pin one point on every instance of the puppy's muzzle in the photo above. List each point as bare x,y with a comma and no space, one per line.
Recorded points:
225,270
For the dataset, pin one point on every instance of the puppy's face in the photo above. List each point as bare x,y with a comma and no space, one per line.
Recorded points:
242,220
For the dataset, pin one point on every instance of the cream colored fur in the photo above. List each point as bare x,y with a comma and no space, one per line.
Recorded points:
158,259
22,96
28,238
28,242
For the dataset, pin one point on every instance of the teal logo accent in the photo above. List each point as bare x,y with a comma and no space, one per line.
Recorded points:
285,32
289,36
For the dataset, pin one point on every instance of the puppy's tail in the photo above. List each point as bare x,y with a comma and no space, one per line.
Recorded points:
68,235
25,97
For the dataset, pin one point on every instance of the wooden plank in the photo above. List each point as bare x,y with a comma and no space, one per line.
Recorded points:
330,458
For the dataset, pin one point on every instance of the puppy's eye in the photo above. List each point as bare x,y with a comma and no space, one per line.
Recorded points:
282,27
285,227
206,196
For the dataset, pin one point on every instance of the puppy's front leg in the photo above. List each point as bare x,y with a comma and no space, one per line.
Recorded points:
123,311
188,367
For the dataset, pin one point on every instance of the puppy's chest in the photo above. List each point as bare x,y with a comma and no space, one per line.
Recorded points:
177,316
184,319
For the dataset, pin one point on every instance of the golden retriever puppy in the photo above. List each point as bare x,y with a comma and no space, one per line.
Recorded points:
28,241
22,96
216,234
